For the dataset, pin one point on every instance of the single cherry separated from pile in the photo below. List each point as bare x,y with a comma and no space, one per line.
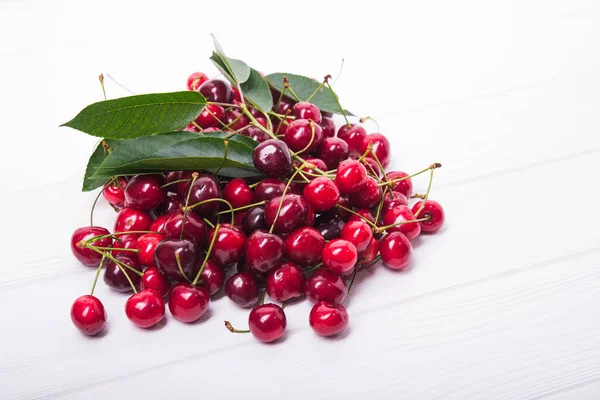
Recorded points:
288,209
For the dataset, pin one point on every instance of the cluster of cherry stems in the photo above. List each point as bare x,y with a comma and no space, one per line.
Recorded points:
325,211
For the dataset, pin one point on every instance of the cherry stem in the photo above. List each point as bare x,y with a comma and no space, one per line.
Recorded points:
197,126
366,153
174,182
283,121
260,203
208,222
187,200
233,330
367,118
211,200
394,181
226,143
101,79
115,81
357,214
261,299
178,260
383,228
117,248
210,247
96,200
287,186
417,196
97,275
312,138
304,178
119,263
352,281
426,194
319,88
380,205
338,103
128,278
286,85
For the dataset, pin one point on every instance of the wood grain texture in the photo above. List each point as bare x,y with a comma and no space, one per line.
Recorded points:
501,304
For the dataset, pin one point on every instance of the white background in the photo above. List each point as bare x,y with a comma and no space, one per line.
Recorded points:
501,304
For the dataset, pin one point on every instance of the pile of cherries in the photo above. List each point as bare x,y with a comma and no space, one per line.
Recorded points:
324,210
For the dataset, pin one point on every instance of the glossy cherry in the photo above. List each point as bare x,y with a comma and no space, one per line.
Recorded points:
263,251
166,261
212,277
205,187
403,186
143,192
286,282
254,220
368,196
216,91
236,94
129,219
358,233
259,277
242,289
328,319
268,188
306,110
369,254
291,214
350,176
328,127
114,192
256,134
339,256
304,246
238,193
400,214
330,225
188,303
391,200
267,322
211,116
333,150
158,225
173,201
114,275
195,80
147,245
272,158
354,136
88,315
432,210
325,285
381,147
395,250
153,279
87,256
303,136
182,187
363,213
123,243
192,226
145,308
322,194
282,104
228,246
372,167
318,164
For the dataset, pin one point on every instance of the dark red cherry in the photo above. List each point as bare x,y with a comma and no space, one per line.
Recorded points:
238,193
242,289
358,233
267,322
404,185
254,220
259,277
304,246
268,189
400,214
147,245
370,252
432,210
238,217
115,278
195,80
322,194
228,246
166,261
143,192
193,228
145,308
324,285
350,176
88,315
211,116
333,150
282,104
272,158
330,225
235,119
172,202
212,277
158,225
153,279
188,303
303,136
280,125
216,91
186,178
368,196
344,214
204,188
263,251
114,192
395,250
309,220
236,94
130,219
339,256
354,136
291,214
306,110
256,134
391,200
124,243
328,127
328,319
86,256
286,282
381,147
372,167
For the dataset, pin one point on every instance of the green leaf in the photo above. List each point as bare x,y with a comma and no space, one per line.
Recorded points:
180,151
136,116
96,159
257,91
304,87
234,70
236,137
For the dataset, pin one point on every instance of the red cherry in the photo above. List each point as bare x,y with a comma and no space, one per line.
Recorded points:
216,91
272,158
339,256
267,322
87,256
147,244
292,213
259,277
328,319
238,193
158,225
350,176
263,251
205,187
404,186
145,308
195,80
88,315
306,110
242,289
172,202
432,210
211,116
303,136
143,192
255,134
391,200
309,220
125,242
368,196
235,119
399,214
318,163
212,277
364,213
381,147
228,247
396,250
236,94
328,127
358,233
324,285
286,282
153,279
114,192
114,275
166,261
193,229
372,167
130,219
333,150
353,135
188,303
267,189
370,252
322,194
304,246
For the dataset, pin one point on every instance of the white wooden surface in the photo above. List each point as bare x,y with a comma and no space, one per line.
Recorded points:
501,304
